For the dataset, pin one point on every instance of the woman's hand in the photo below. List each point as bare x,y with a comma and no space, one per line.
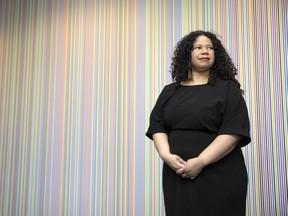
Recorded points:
219,148
191,169
174,161
161,144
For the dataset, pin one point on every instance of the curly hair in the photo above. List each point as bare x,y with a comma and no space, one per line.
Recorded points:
223,67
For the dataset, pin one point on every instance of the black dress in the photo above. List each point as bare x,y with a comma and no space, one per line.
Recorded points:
193,116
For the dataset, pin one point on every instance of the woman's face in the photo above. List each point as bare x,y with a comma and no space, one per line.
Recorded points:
202,54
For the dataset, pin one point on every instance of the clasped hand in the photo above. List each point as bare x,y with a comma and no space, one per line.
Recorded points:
187,169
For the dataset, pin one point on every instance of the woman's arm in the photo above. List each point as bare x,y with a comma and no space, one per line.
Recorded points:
219,148
162,146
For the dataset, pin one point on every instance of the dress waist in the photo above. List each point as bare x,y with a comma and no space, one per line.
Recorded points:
189,143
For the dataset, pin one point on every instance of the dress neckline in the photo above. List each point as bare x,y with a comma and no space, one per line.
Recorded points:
198,85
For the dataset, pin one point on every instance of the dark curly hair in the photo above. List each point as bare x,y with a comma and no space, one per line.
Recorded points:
223,67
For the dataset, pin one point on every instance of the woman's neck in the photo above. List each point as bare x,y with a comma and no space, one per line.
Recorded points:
197,78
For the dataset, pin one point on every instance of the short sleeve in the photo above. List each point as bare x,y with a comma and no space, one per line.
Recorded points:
156,117
235,115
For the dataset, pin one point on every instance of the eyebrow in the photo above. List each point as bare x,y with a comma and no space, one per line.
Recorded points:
202,45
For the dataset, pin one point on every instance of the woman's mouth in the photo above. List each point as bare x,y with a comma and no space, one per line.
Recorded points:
204,59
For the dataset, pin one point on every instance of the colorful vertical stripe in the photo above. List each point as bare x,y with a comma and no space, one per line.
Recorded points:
78,79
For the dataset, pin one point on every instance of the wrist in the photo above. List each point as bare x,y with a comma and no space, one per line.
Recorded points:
203,161
164,155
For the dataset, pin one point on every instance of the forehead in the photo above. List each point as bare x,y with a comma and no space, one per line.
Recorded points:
203,40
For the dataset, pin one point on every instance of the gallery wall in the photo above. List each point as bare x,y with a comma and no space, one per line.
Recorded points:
78,79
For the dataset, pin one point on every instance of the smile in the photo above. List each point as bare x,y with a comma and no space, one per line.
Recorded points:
204,59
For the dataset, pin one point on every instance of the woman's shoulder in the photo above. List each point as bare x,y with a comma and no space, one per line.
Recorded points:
226,84
229,88
170,87
167,91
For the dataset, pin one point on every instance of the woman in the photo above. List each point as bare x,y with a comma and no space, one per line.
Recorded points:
198,126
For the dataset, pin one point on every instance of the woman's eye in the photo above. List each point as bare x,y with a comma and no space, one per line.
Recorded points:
200,48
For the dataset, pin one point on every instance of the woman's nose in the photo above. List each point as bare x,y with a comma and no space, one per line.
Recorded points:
204,51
